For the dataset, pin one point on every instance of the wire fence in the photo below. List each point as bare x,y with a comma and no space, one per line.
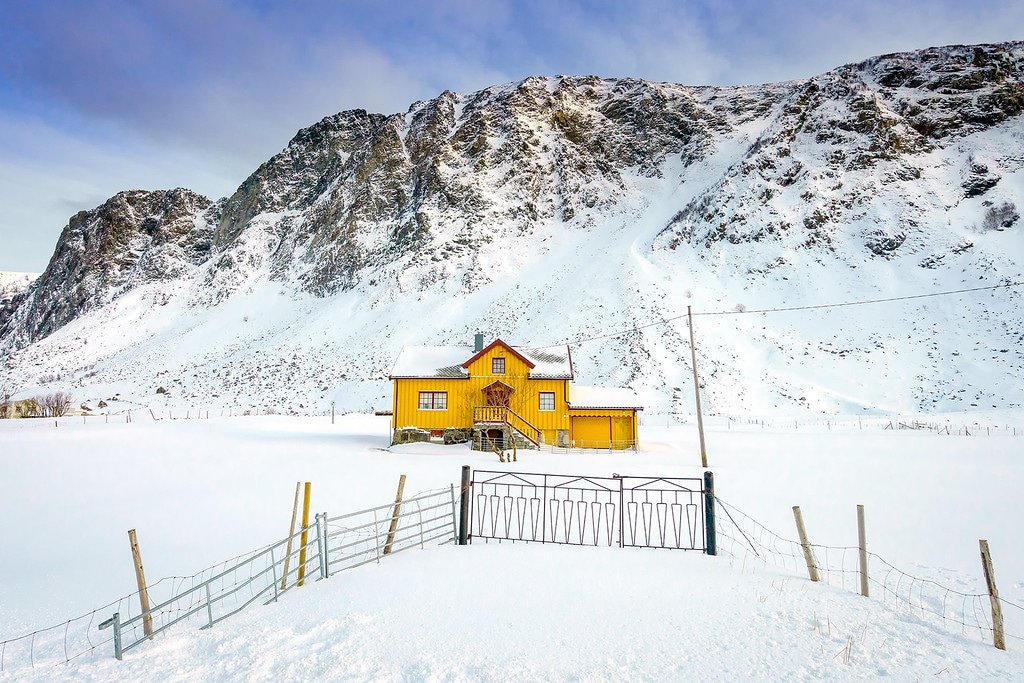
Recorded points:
749,543
145,414
936,425
78,636
261,576
357,538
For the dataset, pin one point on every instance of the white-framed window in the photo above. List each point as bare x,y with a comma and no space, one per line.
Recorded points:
498,366
433,400
547,400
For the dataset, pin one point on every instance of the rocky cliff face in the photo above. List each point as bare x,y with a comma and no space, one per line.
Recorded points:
133,238
904,160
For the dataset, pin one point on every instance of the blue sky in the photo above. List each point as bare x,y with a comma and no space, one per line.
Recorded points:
96,97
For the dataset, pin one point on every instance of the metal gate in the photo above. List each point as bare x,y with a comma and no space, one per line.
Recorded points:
645,512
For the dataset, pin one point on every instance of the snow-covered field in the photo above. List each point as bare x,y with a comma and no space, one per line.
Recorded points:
202,491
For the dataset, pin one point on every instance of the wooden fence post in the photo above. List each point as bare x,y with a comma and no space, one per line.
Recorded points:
394,516
812,568
140,579
291,538
305,535
998,634
862,542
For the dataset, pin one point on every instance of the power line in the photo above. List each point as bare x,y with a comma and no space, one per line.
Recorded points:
783,309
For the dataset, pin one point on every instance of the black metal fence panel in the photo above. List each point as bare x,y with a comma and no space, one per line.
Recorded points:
647,512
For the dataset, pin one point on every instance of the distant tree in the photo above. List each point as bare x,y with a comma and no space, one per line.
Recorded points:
59,403
30,407
5,403
43,401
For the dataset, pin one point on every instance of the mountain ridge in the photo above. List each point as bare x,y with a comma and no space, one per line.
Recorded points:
473,202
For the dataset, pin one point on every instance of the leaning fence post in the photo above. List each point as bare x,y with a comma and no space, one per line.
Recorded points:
998,635
291,537
710,541
140,579
812,567
862,542
396,512
464,506
304,539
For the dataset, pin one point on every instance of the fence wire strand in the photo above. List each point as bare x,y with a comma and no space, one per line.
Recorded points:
234,584
747,541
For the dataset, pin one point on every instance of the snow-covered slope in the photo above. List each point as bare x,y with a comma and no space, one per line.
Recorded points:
561,209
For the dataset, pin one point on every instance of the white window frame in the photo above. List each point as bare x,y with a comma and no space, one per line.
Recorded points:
433,400
494,362
540,401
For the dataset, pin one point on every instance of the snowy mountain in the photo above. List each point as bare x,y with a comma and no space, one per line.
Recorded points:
567,208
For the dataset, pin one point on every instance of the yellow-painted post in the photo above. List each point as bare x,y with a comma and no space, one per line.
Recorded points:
305,535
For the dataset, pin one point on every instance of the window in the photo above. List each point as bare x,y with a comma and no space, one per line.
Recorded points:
433,400
497,366
547,400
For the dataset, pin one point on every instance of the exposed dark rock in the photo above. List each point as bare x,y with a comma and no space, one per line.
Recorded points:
979,181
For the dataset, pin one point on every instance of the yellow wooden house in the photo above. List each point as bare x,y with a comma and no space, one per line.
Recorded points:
499,393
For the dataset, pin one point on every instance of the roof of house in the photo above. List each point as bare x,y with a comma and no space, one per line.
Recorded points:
603,397
448,362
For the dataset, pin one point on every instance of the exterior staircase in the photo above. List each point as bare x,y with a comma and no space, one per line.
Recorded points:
512,425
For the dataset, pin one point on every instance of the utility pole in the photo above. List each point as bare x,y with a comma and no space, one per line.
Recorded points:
696,392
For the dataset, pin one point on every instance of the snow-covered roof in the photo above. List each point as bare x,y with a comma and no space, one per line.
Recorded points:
432,361
447,362
603,397
553,362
